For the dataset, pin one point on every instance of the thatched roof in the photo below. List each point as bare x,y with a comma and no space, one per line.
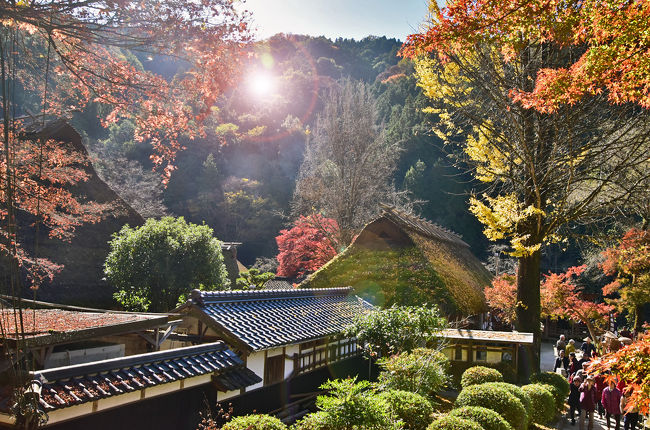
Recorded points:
400,258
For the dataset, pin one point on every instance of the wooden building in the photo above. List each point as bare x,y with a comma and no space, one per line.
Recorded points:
402,259
281,334
476,347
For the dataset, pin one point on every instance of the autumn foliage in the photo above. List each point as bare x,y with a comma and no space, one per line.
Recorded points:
560,297
60,56
310,243
631,364
613,33
629,264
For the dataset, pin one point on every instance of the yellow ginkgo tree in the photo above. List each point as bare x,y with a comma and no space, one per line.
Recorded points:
544,171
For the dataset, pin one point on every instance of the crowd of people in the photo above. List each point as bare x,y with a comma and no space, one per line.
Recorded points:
589,394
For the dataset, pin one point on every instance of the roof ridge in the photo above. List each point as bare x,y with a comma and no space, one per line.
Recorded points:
230,295
421,225
128,361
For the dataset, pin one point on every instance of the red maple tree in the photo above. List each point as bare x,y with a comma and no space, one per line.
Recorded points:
58,56
560,298
631,364
310,243
629,263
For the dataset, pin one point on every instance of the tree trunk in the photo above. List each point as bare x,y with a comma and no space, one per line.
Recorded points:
638,319
528,312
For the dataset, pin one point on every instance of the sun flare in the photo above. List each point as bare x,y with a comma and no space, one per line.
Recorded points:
261,84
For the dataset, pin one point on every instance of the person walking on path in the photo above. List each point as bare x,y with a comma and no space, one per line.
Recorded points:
570,347
574,365
611,400
560,345
588,349
561,362
587,403
632,415
574,399
600,386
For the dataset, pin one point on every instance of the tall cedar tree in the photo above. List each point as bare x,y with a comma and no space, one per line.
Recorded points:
543,170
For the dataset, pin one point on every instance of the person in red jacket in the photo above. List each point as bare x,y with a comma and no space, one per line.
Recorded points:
611,400
588,403
600,386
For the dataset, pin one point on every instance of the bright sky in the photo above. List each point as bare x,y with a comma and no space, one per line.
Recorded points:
337,18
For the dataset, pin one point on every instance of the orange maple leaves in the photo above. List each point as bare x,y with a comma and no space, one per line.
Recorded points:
609,39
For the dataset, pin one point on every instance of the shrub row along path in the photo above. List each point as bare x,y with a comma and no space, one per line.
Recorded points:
547,362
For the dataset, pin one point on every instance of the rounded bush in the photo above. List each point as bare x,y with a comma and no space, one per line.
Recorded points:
313,421
254,422
454,423
413,409
480,375
558,398
499,400
517,392
487,418
543,403
559,382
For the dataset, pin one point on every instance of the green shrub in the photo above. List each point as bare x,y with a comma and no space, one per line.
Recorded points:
351,404
487,418
559,382
423,371
448,422
479,375
313,421
459,367
254,422
499,400
516,391
413,409
558,398
543,409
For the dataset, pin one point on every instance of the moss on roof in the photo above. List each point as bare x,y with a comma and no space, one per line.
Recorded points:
428,270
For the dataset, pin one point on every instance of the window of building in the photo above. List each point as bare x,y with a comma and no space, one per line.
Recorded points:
274,369
458,353
481,353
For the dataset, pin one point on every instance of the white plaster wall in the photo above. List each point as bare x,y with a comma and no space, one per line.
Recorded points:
273,352
288,363
255,362
87,355
228,394
69,413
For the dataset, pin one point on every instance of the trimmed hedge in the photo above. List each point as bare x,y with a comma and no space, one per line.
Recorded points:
558,398
457,369
454,423
413,409
543,403
559,382
499,400
254,422
516,391
487,418
480,375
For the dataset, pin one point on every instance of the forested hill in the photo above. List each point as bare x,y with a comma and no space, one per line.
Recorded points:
240,178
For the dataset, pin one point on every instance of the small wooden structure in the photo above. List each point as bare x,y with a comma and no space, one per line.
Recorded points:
484,346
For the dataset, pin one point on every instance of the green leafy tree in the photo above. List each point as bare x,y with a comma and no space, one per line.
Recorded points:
398,329
153,265
422,371
253,279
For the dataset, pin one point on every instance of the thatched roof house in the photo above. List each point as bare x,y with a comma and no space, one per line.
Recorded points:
403,259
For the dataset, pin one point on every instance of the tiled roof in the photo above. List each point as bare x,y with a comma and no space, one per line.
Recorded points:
489,336
41,322
421,225
73,385
278,283
263,319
